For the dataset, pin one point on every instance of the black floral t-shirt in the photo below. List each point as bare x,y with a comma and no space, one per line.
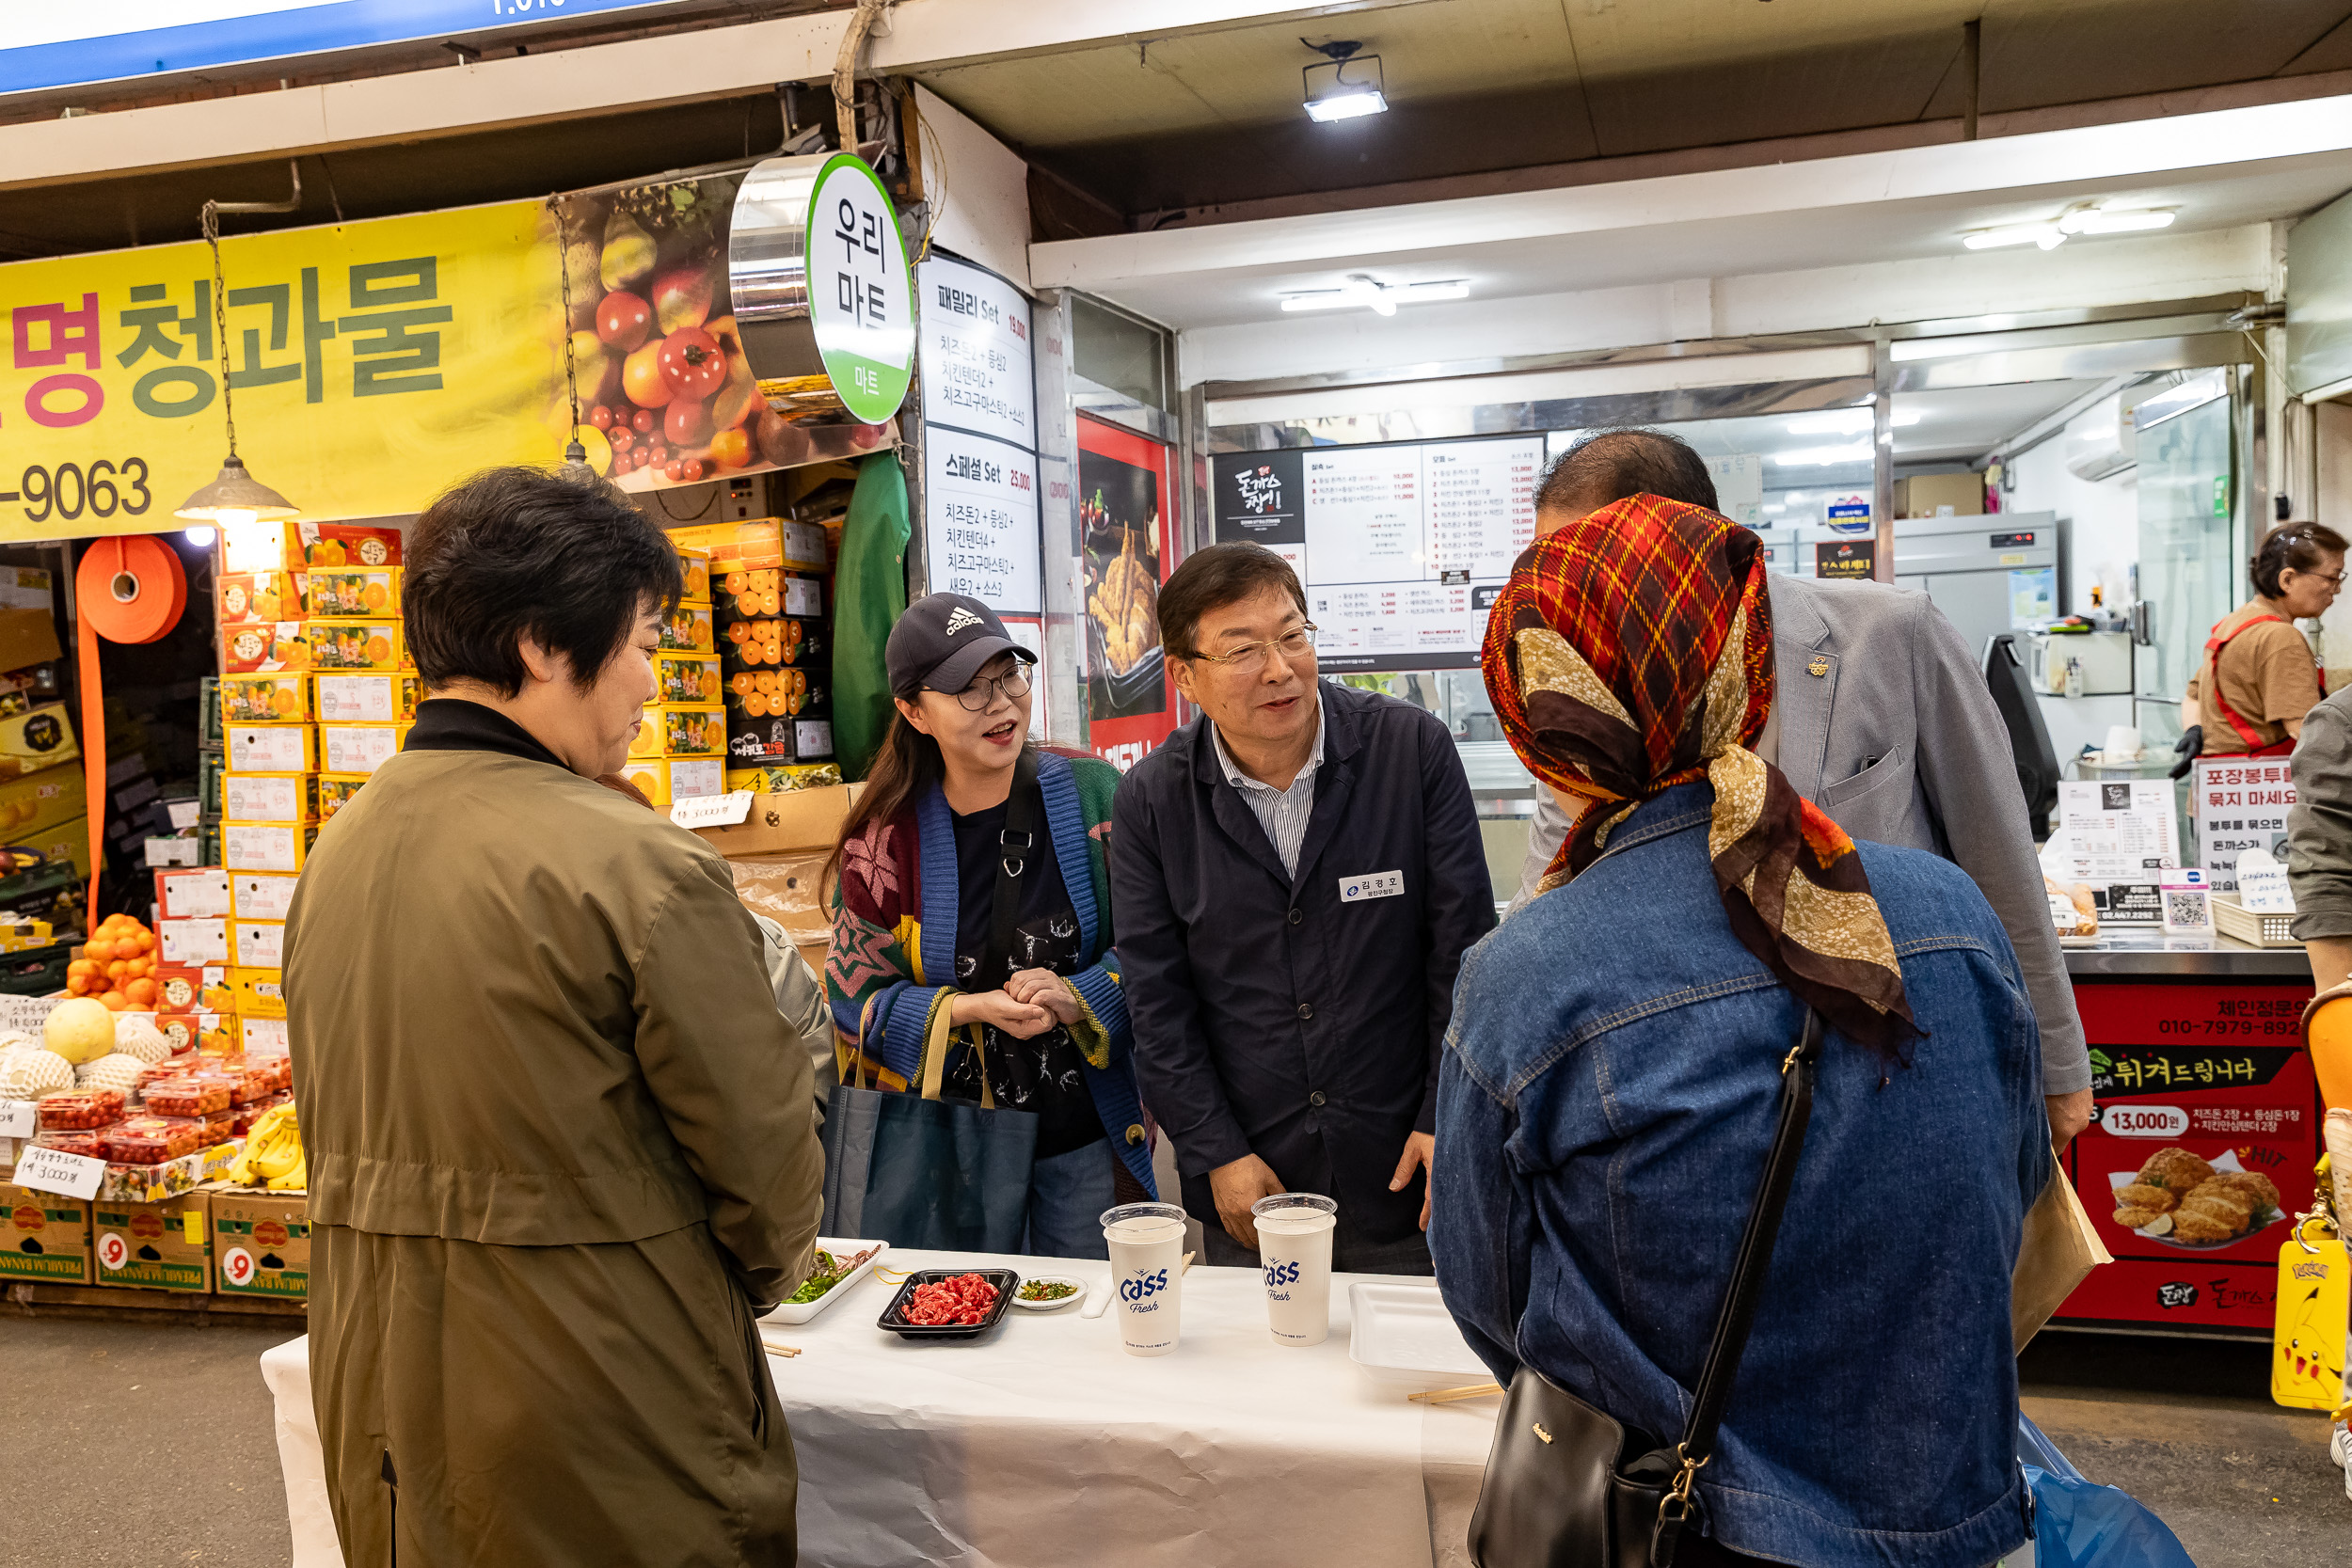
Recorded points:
1045,1073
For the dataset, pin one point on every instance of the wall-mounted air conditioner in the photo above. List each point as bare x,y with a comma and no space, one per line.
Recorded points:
2100,440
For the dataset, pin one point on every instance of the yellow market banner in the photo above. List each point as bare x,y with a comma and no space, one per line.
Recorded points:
372,364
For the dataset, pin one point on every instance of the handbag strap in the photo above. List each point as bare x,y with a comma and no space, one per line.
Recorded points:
1015,846
1736,1315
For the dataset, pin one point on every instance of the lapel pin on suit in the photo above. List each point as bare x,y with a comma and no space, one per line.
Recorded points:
1817,668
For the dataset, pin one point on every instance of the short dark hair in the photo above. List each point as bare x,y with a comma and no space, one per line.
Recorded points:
515,551
2301,545
1218,576
1609,465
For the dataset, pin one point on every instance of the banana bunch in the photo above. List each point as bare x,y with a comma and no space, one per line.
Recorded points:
272,1156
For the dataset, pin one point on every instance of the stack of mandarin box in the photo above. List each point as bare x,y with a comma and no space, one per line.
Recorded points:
680,751
768,577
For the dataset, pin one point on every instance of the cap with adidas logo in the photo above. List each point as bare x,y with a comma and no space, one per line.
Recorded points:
942,640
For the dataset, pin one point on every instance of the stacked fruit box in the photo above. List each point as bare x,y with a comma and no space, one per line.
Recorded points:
679,754
771,578
317,692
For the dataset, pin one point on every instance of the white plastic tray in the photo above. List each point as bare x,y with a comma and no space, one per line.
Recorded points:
801,1311
1402,1334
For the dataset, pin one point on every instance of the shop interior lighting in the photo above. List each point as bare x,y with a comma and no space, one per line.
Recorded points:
1333,93
1822,457
1369,294
1847,421
234,498
200,537
2082,217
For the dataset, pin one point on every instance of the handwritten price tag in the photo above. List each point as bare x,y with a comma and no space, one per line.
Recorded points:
53,1170
19,1119
712,811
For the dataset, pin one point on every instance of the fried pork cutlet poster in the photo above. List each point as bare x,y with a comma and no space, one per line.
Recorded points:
2201,1154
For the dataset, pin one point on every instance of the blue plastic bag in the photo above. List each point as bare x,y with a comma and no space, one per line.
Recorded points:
2078,1523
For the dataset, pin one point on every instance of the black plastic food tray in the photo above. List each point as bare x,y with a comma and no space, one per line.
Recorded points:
1004,1280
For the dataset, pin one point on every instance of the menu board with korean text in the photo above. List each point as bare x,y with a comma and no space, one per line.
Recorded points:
1401,545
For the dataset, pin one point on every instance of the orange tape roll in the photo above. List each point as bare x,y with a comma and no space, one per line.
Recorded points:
126,590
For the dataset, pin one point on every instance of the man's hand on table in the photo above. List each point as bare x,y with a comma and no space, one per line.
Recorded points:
2069,1115
1420,1148
1238,1184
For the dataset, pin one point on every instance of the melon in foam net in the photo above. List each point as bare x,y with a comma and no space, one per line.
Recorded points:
80,1030
28,1072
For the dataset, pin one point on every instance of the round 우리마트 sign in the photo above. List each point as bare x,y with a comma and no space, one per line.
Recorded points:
860,297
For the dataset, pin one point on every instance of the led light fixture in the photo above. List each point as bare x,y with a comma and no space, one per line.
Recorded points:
1333,93
1372,294
1822,456
1846,422
2082,217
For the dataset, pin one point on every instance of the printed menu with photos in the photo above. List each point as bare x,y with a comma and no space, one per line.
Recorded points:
1400,545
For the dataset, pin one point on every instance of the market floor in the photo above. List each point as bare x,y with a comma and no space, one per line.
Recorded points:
153,1444
2187,1426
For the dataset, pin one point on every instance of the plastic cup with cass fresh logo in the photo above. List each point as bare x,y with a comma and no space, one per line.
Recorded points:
1294,1248
1147,1248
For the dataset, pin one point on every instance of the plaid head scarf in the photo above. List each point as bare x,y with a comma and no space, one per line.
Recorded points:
1631,651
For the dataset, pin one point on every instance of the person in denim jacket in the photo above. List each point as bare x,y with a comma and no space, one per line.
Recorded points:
1610,1084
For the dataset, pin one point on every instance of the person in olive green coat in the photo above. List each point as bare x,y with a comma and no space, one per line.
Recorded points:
560,1142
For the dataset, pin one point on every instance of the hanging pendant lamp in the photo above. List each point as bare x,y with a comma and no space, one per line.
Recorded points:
234,496
575,470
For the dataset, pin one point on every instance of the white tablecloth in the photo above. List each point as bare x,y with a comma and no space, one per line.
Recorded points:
1044,1444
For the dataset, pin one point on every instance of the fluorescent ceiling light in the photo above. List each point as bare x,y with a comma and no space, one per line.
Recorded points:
1333,94
2111,220
2049,236
1846,422
1372,294
1351,104
1818,457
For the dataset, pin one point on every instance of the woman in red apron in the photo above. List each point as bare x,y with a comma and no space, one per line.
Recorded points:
2258,679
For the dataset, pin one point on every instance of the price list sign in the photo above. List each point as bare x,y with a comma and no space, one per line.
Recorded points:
981,512
1400,545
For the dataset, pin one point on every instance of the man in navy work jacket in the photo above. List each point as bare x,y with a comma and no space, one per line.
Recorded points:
1294,877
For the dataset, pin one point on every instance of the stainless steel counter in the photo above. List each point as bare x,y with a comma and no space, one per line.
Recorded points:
2136,956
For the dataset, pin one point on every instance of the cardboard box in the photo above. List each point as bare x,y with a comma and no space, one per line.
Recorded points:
272,748
374,645
260,895
694,566
258,598
779,824
1930,495
264,647
261,1243
350,592
257,945
42,800
211,1032
198,895
689,631
28,625
785,781
336,791
787,889
681,731
66,843
186,943
665,780
270,797
264,700
382,698
359,748
185,989
266,846
262,1036
259,993
37,738
164,1245
44,1238
751,542
311,544
686,677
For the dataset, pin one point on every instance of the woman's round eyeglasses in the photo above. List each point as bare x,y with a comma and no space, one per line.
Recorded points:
981,694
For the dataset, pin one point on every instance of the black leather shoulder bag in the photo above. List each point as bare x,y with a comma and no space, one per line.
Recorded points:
1568,1486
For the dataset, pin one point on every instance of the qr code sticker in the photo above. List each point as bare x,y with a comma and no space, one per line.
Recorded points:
2184,908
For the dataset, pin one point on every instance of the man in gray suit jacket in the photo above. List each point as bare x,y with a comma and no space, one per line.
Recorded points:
1881,717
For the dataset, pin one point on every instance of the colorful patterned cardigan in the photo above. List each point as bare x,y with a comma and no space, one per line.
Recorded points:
894,924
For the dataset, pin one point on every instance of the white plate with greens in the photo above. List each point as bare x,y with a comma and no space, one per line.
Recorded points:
839,1268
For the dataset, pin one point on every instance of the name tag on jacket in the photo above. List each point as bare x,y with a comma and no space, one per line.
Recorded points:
1373,884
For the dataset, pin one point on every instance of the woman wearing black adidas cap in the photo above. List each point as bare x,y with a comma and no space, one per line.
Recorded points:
957,803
